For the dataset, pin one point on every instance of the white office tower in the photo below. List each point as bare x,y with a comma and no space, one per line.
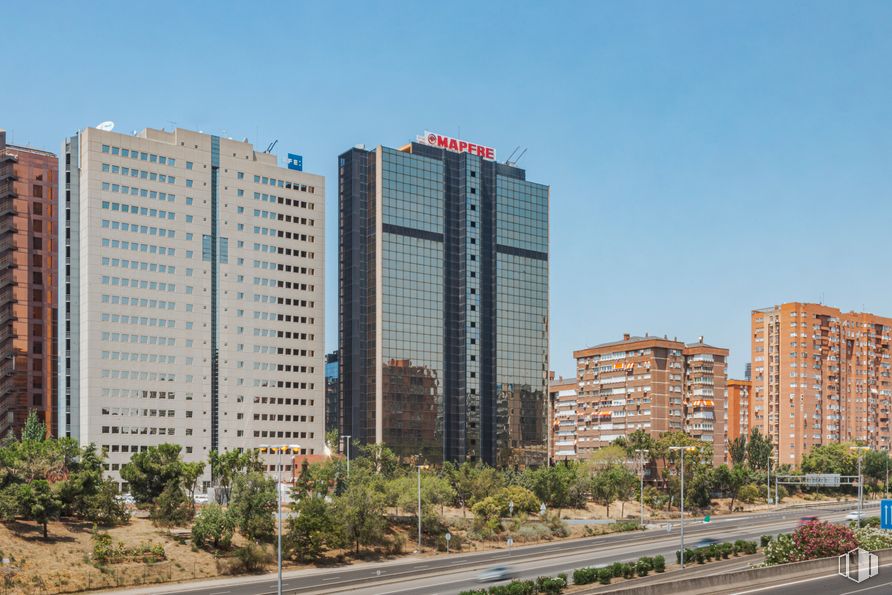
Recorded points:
192,304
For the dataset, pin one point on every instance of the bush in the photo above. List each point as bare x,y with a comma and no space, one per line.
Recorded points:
253,557
616,569
213,526
751,493
514,588
764,540
726,549
624,526
628,570
524,500
822,539
781,550
659,564
551,585
872,538
605,576
585,576
642,567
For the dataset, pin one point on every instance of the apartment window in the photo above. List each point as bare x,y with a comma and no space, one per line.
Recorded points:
188,165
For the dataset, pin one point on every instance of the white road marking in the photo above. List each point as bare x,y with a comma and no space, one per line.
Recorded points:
868,588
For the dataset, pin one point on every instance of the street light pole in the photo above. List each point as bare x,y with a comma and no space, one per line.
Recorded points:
347,440
641,452
682,449
860,450
419,509
279,450
768,459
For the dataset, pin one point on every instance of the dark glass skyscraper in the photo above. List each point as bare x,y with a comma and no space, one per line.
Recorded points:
443,303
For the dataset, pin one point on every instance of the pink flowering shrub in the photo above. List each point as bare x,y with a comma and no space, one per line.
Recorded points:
822,540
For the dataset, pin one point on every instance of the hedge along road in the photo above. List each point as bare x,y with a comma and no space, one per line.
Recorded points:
456,572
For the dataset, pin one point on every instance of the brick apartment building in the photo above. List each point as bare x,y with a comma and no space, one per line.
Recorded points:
650,383
562,412
28,276
820,376
740,408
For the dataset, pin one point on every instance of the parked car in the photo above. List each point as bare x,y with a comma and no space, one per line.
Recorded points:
807,519
496,573
126,499
201,499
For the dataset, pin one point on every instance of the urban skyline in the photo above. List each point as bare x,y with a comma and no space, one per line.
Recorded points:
693,136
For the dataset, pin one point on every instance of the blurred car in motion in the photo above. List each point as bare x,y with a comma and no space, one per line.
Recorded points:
807,519
496,573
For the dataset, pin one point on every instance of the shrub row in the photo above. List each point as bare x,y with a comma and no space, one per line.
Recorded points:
605,574
717,551
547,585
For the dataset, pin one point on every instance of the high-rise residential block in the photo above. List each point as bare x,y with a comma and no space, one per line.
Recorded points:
739,408
192,295
28,269
653,384
443,302
562,411
820,376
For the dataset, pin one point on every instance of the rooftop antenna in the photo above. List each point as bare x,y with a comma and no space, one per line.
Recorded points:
516,149
514,162
271,146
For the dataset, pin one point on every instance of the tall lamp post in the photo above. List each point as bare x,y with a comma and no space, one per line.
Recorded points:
347,438
278,450
683,449
641,452
420,467
860,450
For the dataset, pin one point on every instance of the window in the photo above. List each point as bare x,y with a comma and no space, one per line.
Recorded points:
188,165
188,183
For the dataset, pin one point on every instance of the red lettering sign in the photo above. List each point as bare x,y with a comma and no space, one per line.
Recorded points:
459,146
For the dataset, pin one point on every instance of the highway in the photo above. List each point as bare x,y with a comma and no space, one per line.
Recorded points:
444,575
830,584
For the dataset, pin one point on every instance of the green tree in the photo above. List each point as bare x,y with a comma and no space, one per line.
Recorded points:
226,466
627,486
604,488
737,450
729,481
310,529
34,429
254,504
758,450
560,486
151,471
172,507
359,513
37,502
214,526
189,477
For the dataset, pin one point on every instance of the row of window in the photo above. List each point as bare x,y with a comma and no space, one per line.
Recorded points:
141,339
143,229
271,198
137,210
143,320
284,184
139,357
141,155
139,173
138,247
138,375
139,265
134,301
137,283
141,192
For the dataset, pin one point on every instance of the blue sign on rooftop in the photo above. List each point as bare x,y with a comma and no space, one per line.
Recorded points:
295,162
886,514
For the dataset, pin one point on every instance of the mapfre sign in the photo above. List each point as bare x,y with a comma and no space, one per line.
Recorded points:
459,146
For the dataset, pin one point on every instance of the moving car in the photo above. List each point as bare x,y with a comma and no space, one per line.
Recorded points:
496,573
706,542
855,516
807,519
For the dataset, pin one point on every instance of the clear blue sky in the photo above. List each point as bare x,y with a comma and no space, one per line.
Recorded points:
705,158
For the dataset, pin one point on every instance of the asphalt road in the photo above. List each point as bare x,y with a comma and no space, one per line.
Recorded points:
831,584
450,574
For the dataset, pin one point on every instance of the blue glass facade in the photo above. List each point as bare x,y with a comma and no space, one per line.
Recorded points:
443,309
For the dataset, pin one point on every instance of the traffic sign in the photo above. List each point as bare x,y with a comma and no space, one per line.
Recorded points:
706,519
886,514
